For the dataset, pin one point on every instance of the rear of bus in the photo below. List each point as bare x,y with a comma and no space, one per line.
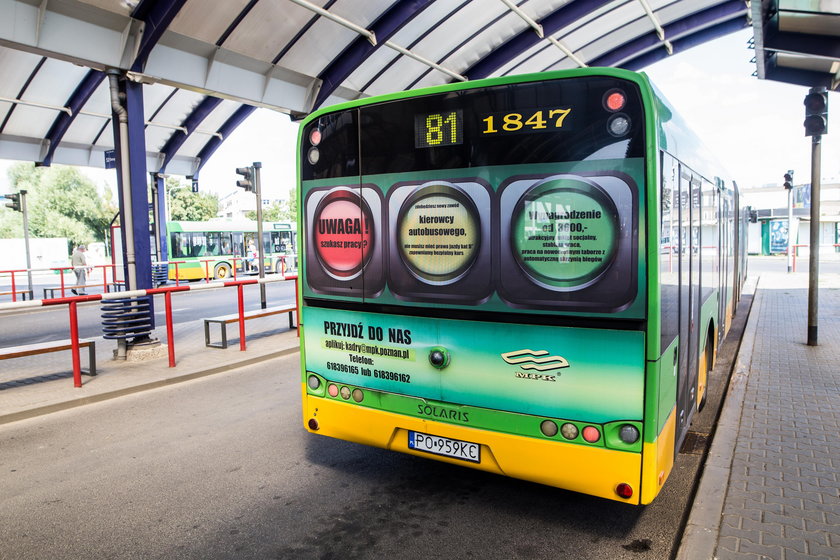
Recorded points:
474,282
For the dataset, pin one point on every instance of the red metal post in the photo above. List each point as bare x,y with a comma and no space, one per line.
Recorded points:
74,341
14,295
61,275
297,309
177,276
234,259
170,337
241,318
206,270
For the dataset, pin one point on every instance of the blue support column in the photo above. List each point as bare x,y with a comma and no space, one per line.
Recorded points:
139,219
160,216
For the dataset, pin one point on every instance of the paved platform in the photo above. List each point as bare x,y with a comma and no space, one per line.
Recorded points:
770,487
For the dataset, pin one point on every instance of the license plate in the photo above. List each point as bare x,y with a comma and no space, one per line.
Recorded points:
464,450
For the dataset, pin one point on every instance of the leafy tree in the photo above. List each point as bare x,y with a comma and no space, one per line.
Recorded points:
278,211
61,203
185,205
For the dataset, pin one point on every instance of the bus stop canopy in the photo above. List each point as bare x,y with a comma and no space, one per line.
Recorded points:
798,41
206,64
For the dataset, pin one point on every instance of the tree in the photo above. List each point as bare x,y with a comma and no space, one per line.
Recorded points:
62,202
281,211
185,205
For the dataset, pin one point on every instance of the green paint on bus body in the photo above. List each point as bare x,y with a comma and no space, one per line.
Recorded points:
587,375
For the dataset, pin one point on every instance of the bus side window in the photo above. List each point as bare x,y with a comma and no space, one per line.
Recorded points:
180,245
227,248
199,244
213,244
238,244
669,251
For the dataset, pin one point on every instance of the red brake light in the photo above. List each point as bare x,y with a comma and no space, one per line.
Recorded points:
615,100
624,490
591,434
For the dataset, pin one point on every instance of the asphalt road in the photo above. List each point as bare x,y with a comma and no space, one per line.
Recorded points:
52,323
221,468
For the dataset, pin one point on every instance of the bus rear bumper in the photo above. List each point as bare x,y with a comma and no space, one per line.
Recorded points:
590,470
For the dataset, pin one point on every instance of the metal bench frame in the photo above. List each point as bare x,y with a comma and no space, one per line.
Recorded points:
224,320
52,346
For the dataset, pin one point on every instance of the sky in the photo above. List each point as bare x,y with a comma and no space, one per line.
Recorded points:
753,126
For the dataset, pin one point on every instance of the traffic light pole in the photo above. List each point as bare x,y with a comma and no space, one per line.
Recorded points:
260,242
26,239
791,238
814,256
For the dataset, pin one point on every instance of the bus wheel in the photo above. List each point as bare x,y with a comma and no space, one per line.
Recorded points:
221,271
278,267
708,353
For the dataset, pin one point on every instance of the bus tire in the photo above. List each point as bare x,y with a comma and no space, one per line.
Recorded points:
221,271
278,267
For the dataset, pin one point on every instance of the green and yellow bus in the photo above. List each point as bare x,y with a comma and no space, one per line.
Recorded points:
527,275
216,247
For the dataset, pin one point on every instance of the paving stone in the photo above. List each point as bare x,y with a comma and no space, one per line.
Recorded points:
763,551
785,543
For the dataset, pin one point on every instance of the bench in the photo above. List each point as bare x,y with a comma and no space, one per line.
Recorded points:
67,292
224,320
53,346
117,286
21,292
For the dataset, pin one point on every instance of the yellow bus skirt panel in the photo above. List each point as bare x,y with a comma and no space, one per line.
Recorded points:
658,460
591,470
189,273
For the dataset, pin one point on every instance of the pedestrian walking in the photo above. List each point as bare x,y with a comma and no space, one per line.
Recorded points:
252,256
79,262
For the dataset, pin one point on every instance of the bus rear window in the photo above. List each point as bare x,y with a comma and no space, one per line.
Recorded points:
517,196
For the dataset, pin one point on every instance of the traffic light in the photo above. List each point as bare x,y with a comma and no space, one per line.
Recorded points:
14,201
789,179
816,112
247,182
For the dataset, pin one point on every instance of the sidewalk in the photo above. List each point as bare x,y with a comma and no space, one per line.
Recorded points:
44,383
770,485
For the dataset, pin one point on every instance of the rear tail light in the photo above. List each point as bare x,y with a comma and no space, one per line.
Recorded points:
313,382
358,395
332,389
628,434
569,430
624,490
315,137
591,434
548,428
313,155
619,125
615,100
345,393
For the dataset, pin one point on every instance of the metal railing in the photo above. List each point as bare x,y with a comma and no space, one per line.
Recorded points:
167,291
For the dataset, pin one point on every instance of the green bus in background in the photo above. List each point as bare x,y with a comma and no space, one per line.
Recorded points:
527,275
227,245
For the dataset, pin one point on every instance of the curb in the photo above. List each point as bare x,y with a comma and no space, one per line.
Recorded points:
699,540
73,403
